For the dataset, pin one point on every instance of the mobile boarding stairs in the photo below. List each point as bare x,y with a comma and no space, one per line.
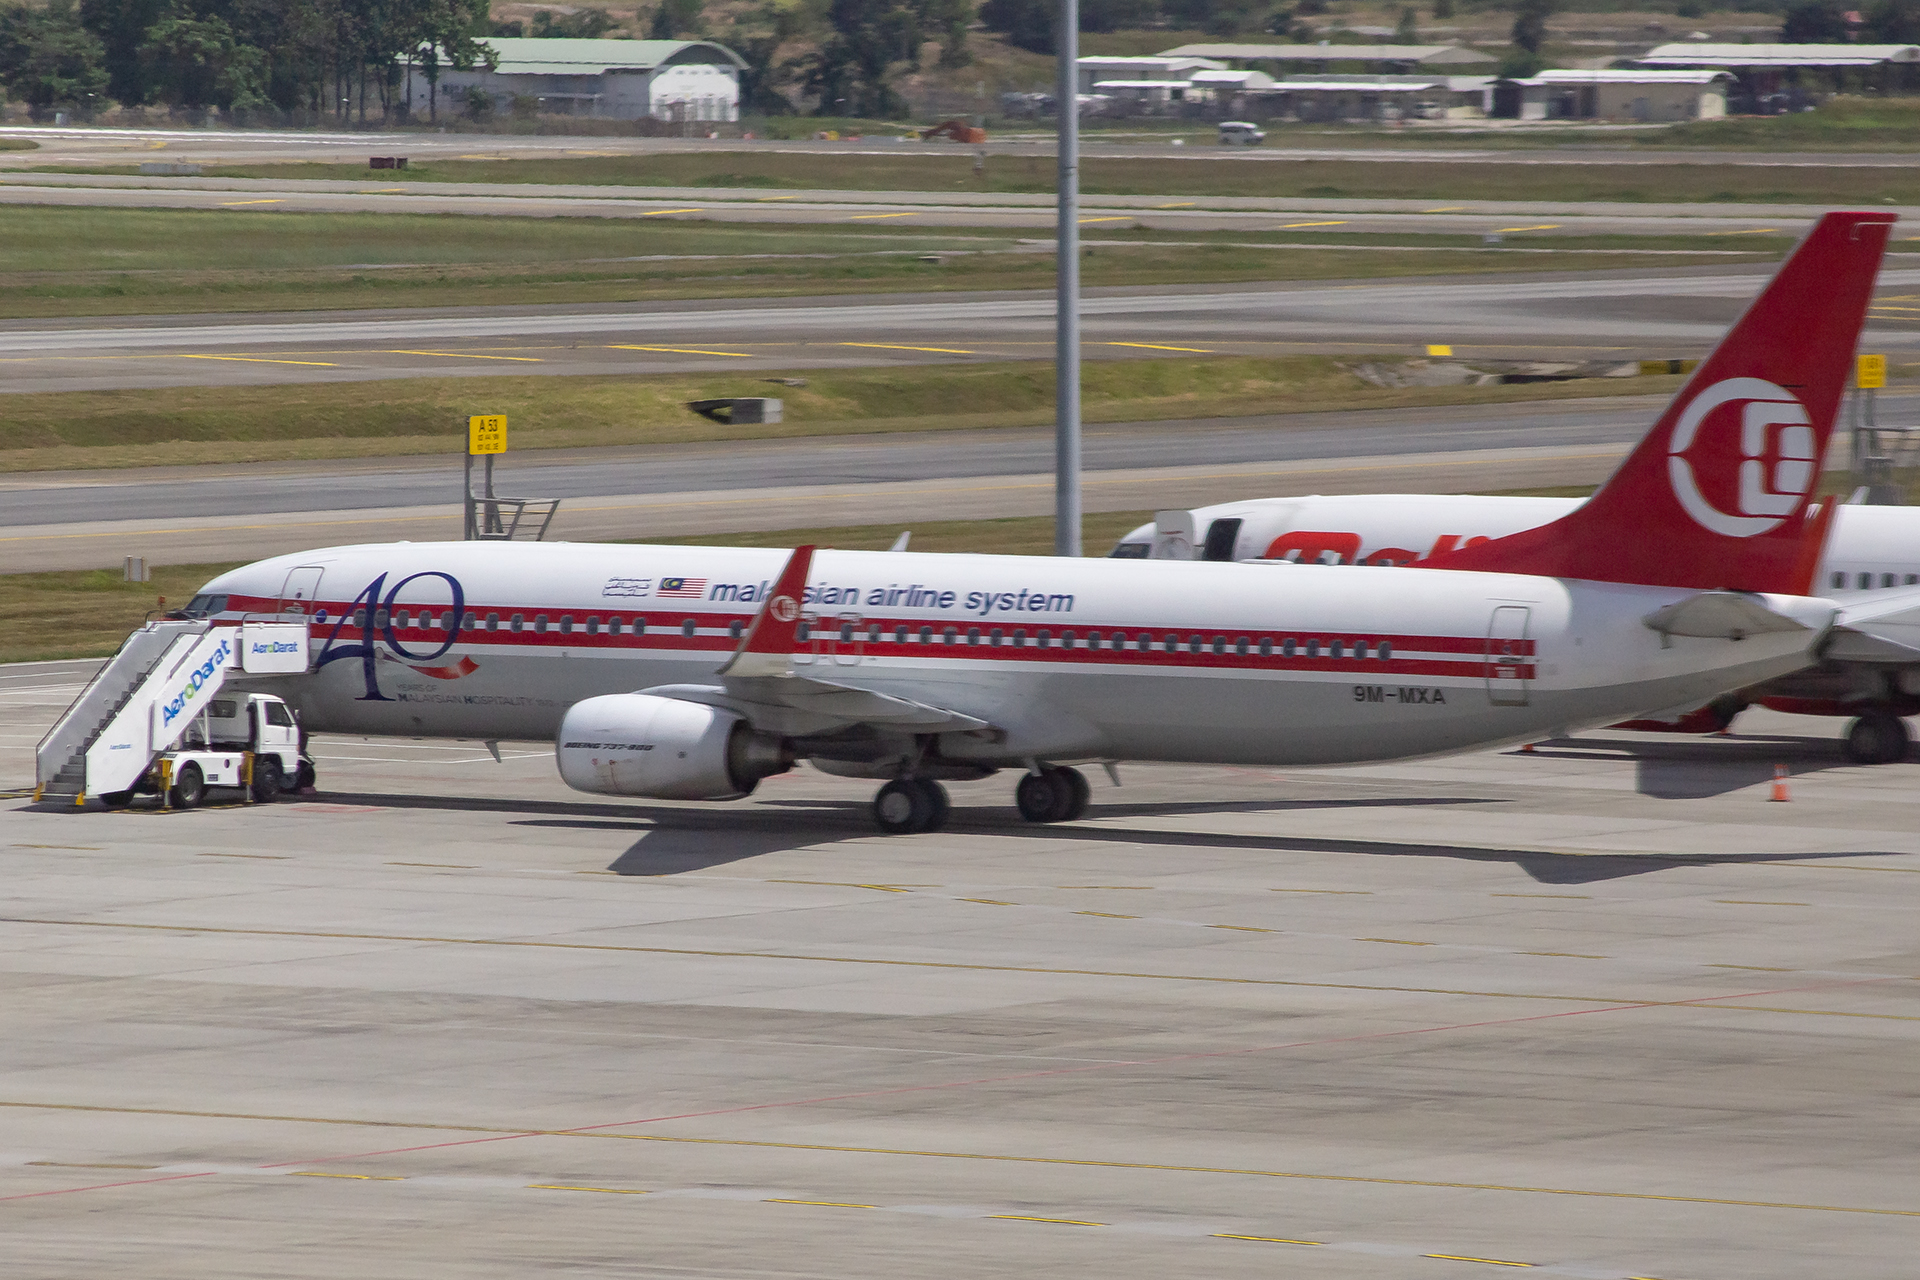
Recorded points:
148,695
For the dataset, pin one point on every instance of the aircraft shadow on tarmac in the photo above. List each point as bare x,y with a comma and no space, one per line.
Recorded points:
675,841
1699,769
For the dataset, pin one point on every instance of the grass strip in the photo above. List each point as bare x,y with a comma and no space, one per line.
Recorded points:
194,425
96,262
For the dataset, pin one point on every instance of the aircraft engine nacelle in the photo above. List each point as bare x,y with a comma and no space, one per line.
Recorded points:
635,744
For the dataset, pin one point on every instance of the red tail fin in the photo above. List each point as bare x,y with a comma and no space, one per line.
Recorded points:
1716,494
769,642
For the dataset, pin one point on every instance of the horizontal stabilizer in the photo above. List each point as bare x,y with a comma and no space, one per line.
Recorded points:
799,706
1886,629
1720,615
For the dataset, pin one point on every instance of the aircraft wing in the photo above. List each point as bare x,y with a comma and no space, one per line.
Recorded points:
801,706
759,681
1883,630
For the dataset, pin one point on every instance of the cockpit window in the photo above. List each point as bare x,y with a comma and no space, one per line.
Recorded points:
205,606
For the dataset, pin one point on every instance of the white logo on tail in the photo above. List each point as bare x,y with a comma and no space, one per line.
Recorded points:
1776,466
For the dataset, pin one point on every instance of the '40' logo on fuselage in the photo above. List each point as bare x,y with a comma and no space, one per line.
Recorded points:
374,608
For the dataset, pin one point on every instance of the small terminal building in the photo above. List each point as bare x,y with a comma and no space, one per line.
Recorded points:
673,80
1633,95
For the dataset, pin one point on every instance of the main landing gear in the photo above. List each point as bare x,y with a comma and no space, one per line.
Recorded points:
1054,794
908,806
1878,737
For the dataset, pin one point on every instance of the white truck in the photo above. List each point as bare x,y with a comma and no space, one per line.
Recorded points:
162,718
245,740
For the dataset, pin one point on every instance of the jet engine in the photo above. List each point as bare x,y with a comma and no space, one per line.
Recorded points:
635,744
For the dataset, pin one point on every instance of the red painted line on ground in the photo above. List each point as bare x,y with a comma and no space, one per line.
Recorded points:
107,1186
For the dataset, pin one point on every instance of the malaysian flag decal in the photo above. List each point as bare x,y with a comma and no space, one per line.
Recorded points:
682,589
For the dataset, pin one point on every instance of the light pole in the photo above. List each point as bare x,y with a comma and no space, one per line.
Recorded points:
1066,327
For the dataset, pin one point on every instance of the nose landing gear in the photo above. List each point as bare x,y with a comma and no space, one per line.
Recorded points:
1055,794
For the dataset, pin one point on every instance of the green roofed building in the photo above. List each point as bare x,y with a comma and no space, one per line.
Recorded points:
677,80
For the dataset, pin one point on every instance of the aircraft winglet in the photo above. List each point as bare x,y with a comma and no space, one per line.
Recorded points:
1717,494
767,647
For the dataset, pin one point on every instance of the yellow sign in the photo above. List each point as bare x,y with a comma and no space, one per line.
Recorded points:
487,433
1871,374
1439,349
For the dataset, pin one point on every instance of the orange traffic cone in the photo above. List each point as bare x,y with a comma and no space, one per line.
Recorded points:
1527,750
1779,784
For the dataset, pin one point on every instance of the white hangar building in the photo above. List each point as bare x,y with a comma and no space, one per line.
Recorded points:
616,79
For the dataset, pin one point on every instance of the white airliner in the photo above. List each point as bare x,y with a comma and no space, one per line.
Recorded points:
1871,554
692,673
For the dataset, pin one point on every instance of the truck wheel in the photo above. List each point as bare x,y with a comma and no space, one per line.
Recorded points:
303,777
268,781
189,788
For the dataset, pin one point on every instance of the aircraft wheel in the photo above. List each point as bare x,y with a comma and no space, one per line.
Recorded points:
941,805
1878,737
268,781
1052,795
904,806
189,788
1081,793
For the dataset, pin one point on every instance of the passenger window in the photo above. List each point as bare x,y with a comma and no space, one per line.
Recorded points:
400,619
846,632
735,627
1266,646
1313,648
1384,652
950,636
640,626
540,623
593,625
1288,649
900,635
1913,578
926,635
359,617
1839,582
379,617
1359,648
804,631
973,635
566,624
1020,638
688,627
1886,579
1335,649
1865,581
1240,645
998,636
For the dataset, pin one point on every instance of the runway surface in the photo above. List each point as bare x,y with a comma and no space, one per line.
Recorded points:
1173,211
209,514
1601,1011
1631,314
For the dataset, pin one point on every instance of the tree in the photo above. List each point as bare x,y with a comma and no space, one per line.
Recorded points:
1442,10
588,24
1814,22
48,59
1530,24
1027,24
853,70
758,38
1892,22
677,20
1406,31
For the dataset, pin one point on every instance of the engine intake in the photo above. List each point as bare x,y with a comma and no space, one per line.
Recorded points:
636,744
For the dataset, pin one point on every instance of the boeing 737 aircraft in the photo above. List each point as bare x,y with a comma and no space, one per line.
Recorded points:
692,673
